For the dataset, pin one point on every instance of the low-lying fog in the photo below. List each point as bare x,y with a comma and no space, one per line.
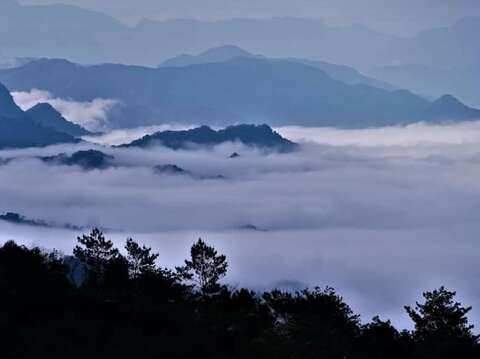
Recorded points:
381,215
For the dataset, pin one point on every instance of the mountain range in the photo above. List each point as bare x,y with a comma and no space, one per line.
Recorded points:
239,90
434,81
61,31
226,53
91,37
40,126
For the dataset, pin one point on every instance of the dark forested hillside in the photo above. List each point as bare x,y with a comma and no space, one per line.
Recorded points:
106,303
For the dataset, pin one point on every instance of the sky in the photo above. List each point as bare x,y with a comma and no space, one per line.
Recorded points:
394,16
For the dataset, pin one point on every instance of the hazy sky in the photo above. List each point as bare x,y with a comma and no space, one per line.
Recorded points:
401,16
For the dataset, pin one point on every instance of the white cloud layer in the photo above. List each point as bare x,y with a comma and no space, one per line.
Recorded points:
381,215
92,115
410,135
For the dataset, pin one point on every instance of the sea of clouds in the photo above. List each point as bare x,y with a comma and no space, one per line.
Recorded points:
379,214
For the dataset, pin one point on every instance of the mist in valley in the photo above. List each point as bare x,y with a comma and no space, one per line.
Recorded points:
379,214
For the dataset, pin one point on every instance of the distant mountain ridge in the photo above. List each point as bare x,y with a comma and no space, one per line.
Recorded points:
215,54
241,90
45,115
261,136
448,107
92,37
433,81
87,37
226,53
18,129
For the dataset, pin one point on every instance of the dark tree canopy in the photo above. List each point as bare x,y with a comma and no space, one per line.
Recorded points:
441,323
307,318
441,315
140,259
205,268
95,252
139,309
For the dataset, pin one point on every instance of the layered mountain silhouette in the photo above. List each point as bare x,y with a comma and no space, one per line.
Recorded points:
216,54
92,37
434,81
448,107
45,115
19,129
240,90
61,31
261,136
225,53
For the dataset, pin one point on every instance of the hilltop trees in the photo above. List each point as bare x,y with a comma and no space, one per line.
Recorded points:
33,271
140,259
379,340
133,305
205,268
95,252
441,326
314,323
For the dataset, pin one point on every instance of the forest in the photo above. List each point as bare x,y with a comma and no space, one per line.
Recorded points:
102,302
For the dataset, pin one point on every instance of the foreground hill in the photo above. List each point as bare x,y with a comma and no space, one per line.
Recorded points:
18,129
239,90
256,136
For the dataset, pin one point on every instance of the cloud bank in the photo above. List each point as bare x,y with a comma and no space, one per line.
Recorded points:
380,220
411,135
92,115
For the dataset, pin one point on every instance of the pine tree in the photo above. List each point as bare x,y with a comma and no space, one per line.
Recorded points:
205,269
140,259
95,252
441,326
